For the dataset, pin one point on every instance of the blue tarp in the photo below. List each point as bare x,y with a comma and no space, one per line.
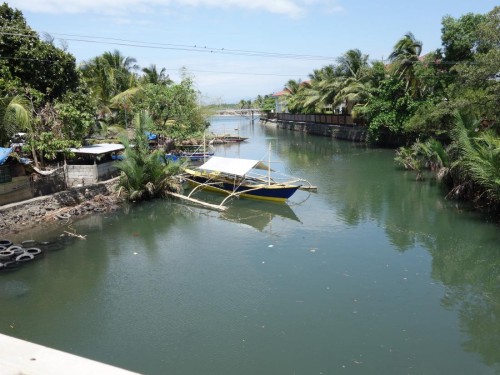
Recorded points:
151,136
4,154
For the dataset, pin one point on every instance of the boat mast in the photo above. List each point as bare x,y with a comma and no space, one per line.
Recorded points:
269,166
204,150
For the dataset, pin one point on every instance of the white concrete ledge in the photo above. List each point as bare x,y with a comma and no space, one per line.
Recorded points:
23,357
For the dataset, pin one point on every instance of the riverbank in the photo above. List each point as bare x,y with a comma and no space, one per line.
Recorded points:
22,216
350,133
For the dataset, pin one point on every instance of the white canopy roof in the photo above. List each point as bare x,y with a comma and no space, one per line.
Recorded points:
234,166
97,149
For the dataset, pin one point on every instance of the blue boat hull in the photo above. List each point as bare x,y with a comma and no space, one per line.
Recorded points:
277,193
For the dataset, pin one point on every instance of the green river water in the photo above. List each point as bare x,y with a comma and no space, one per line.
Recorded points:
373,274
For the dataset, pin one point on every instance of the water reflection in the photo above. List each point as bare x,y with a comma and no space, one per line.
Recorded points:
258,215
365,186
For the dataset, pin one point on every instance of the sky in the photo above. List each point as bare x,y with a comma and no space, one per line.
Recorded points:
238,49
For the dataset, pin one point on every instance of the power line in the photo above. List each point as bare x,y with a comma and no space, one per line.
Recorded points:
177,47
200,49
171,69
193,48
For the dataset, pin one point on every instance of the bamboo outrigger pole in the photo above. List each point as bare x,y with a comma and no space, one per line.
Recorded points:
197,201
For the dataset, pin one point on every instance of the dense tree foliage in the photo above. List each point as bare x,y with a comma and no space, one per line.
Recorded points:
424,101
265,103
42,91
463,112
32,62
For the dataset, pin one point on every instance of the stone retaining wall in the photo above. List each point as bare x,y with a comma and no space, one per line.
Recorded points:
345,132
17,189
26,214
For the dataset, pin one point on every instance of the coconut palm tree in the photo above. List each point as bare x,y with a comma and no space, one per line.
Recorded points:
354,82
404,58
356,93
151,75
353,64
293,97
109,75
323,86
123,68
15,115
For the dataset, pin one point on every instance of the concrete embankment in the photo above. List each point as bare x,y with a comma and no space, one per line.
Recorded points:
353,133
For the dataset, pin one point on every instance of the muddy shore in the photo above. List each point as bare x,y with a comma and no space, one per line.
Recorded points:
76,202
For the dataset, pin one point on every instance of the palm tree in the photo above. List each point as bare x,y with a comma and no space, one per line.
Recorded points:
15,115
124,100
109,75
356,93
292,88
123,68
353,64
404,57
245,104
145,174
476,159
324,85
353,89
430,154
151,75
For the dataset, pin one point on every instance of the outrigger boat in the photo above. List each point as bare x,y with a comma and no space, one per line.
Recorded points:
191,156
193,153
227,138
239,178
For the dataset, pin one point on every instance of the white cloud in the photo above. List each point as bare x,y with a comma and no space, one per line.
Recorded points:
291,8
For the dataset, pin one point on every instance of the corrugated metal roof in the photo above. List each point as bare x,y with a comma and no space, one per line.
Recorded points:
98,149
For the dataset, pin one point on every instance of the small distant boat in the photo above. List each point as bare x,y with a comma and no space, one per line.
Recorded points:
192,156
192,153
236,178
227,138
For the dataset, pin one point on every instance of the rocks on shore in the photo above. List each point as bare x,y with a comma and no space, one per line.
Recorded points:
60,206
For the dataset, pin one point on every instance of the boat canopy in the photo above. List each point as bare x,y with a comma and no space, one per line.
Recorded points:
233,166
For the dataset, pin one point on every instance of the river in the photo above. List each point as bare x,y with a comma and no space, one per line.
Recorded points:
375,273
